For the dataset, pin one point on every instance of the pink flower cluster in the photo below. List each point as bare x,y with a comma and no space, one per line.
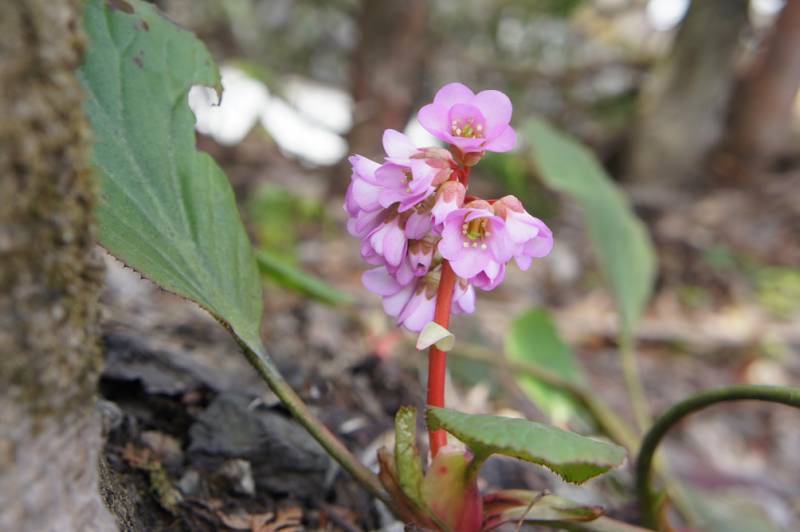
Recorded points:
412,213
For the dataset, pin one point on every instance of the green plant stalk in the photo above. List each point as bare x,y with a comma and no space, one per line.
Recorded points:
608,422
772,394
633,381
267,370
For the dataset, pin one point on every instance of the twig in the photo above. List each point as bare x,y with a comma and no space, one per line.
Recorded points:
534,500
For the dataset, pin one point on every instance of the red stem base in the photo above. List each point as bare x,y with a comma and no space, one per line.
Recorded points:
437,359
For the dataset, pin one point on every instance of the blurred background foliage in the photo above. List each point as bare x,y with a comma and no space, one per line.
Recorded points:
689,189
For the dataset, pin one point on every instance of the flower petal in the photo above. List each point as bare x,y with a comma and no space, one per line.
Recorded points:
540,246
394,245
470,262
418,312
486,282
465,303
365,223
365,168
418,225
394,304
397,145
466,145
504,142
434,118
451,245
523,262
365,195
474,214
495,108
379,281
403,273
453,93
422,174
521,226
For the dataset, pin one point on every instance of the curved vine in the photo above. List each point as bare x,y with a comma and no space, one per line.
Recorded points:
772,394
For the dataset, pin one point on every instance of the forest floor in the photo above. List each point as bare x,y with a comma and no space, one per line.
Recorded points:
199,443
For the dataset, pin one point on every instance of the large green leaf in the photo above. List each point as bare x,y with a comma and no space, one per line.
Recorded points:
623,247
573,457
165,209
534,338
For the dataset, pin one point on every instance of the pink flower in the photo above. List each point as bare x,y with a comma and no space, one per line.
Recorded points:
410,216
532,238
409,174
387,243
471,122
474,240
405,185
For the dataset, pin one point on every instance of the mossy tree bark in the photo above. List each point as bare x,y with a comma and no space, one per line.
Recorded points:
682,108
50,277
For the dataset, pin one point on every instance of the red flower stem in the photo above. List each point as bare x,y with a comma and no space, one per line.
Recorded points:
437,359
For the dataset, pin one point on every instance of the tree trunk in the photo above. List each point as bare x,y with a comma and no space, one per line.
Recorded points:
761,109
682,106
50,278
387,72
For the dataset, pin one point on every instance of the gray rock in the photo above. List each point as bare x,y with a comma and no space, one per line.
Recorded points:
283,457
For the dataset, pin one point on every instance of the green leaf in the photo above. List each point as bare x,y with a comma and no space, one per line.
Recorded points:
534,338
285,274
573,457
623,247
408,463
165,209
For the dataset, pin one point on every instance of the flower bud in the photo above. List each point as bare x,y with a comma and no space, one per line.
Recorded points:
449,197
472,158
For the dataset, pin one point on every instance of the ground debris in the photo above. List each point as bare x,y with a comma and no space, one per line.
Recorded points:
286,520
